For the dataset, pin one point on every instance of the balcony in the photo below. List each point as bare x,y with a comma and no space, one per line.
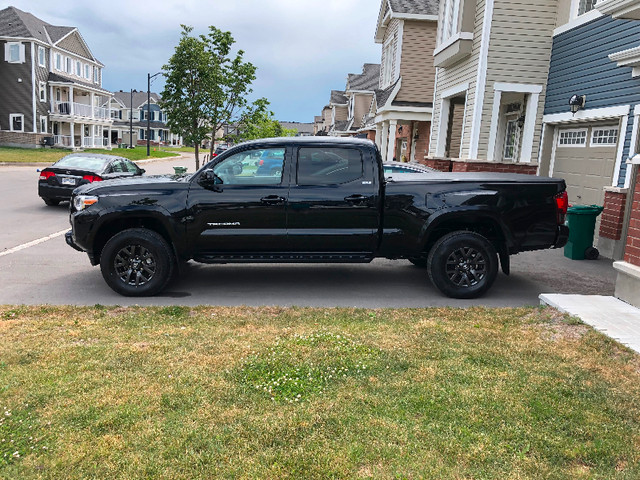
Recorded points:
80,110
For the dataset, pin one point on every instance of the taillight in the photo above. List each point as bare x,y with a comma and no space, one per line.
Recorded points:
92,178
44,175
261,162
562,204
214,155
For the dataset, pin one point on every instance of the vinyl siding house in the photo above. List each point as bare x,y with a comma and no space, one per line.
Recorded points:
339,108
402,106
52,85
492,59
596,58
121,110
359,91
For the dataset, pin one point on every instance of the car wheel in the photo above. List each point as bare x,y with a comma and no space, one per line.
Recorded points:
137,262
50,202
463,265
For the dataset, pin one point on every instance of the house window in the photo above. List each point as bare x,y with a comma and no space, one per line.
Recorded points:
42,57
586,6
387,53
87,72
141,134
14,52
43,91
573,138
43,124
78,69
510,140
450,16
69,65
58,58
604,137
16,121
96,75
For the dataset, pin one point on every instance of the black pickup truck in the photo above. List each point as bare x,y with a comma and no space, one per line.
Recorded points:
320,200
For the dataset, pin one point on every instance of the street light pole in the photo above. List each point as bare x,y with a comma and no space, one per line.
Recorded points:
149,77
131,121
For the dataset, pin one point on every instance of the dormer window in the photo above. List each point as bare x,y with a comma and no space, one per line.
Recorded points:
586,6
450,19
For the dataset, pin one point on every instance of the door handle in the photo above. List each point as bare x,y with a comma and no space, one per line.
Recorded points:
357,199
273,200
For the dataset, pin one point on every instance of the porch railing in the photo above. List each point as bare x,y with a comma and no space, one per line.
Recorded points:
81,110
95,142
62,140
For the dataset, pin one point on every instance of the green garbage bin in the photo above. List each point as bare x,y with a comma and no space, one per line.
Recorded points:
180,170
582,223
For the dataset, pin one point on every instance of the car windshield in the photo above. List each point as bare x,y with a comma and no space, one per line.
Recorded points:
90,163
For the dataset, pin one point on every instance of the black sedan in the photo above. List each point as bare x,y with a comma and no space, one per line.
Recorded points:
60,179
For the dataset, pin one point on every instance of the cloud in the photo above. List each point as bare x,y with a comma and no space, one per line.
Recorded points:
302,48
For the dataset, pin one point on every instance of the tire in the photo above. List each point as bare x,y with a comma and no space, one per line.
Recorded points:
463,265
137,262
591,253
50,202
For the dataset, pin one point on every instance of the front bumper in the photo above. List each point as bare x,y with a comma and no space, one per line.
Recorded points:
69,239
562,236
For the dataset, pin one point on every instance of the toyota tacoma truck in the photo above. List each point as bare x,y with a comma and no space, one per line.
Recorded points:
322,200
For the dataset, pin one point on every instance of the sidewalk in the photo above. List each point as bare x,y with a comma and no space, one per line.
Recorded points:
609,315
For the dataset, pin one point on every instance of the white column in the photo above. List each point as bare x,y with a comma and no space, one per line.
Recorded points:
393,125
443,127
378,135
383,142
495,123
109,138
71,109
93,105
51,99
82,134
73,134
529,127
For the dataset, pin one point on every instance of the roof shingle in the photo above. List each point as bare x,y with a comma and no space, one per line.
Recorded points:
420,7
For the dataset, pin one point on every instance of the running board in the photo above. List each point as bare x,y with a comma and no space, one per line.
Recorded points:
286,258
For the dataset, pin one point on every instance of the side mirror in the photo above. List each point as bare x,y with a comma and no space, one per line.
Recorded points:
210,180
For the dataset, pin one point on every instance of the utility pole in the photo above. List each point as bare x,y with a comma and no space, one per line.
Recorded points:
149,77
131,121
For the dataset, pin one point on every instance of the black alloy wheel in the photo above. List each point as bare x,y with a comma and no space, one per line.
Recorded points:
137,262
463,265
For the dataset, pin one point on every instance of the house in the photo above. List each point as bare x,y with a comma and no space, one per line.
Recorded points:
318,124
593,66
360,90
124,104
339,107
402,106
302,129
492,60
52,85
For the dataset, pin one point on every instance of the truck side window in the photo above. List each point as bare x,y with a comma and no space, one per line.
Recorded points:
252,167
328,166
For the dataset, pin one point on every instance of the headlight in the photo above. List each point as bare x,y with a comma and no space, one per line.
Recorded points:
80,202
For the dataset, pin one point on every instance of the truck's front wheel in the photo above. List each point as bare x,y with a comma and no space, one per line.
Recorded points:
463,264
137,262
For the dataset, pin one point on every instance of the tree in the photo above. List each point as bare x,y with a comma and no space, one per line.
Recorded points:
232,81
258,122
189,79
206,87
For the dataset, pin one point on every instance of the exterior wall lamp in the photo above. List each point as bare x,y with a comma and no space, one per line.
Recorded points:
577,102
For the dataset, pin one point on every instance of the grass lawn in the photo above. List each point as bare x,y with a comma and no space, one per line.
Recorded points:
187,393
51,155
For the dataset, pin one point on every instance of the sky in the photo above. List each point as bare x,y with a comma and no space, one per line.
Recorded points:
303,49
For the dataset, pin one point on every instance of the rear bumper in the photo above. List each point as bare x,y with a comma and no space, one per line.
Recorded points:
562,236
55,192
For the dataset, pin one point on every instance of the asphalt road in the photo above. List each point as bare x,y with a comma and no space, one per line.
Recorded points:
37,267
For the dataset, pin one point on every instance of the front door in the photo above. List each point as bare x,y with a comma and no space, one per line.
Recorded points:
333,202
246,212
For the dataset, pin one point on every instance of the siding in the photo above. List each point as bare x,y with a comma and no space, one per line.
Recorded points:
361,107
73,44
519,52
464,71
580,65
416,67
16,97
342,113
390,32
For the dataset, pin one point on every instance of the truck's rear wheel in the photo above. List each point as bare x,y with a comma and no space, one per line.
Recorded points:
137,262
463,264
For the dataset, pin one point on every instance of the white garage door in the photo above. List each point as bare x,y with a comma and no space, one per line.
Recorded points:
585,157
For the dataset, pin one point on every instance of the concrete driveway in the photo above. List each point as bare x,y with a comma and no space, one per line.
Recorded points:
37,267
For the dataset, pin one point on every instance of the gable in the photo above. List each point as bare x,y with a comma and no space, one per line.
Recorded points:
74,44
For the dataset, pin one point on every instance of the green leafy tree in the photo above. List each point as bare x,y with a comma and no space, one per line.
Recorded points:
257,122
189,80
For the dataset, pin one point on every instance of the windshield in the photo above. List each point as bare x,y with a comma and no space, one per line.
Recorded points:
90,163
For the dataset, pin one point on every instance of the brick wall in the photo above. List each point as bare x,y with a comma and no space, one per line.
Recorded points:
21,139
613,215
494,167
371,135
441,164
632,252
422,142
